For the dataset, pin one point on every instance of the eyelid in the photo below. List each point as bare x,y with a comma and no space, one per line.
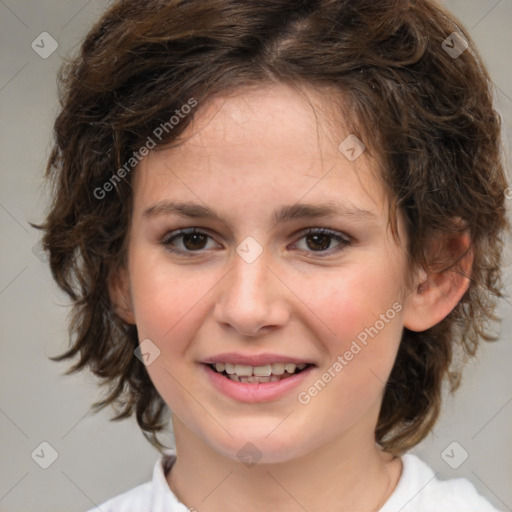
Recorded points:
176,233
326,231
343,238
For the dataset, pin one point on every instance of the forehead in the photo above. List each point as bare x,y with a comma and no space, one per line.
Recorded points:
272,141
249,120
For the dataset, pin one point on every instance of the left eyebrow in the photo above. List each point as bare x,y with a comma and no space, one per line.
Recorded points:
313,211
283,214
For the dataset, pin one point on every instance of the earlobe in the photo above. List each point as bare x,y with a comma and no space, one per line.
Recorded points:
437,293
120,296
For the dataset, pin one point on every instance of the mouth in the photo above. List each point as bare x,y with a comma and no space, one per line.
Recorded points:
256,378
245,373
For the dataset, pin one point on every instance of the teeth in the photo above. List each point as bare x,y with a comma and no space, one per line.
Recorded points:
278,368
249,373
243,370
263,371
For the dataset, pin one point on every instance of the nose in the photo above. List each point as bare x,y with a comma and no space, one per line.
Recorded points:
252,299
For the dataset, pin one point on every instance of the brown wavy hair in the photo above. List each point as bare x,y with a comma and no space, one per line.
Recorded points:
428,115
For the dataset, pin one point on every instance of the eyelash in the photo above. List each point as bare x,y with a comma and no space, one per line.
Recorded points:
343,240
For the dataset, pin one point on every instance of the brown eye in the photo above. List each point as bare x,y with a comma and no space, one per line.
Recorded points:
319,240
186,241
194,241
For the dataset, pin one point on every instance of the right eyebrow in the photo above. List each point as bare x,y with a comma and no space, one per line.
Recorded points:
283,214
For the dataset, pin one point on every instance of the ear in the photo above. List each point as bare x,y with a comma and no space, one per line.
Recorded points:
436,293
120,296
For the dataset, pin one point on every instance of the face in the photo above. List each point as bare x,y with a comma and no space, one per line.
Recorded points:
228,271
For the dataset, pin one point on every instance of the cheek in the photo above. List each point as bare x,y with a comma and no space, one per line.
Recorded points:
163,296
159,305
164,304
354,300
363,313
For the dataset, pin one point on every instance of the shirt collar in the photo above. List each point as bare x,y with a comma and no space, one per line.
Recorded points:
162,498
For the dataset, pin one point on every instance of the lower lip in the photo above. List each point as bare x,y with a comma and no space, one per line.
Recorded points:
252,392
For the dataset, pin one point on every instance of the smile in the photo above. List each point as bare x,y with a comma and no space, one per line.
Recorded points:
257,374
263,381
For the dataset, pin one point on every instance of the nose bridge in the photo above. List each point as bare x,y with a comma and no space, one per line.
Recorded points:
251,296
249,279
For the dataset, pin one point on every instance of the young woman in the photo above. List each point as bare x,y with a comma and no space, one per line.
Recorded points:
279,220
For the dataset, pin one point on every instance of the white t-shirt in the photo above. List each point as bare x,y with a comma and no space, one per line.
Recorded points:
418,490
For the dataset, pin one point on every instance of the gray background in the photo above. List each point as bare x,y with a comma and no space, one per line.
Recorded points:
98,459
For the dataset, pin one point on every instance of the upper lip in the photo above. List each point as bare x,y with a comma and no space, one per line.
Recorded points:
254,360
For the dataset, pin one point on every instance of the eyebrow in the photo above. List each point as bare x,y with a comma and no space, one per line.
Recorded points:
283,214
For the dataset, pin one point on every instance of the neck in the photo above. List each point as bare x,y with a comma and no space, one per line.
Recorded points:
337,476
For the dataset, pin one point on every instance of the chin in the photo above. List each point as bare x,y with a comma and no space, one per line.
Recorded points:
251,446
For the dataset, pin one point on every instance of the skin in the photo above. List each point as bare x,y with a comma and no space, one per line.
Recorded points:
244,156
